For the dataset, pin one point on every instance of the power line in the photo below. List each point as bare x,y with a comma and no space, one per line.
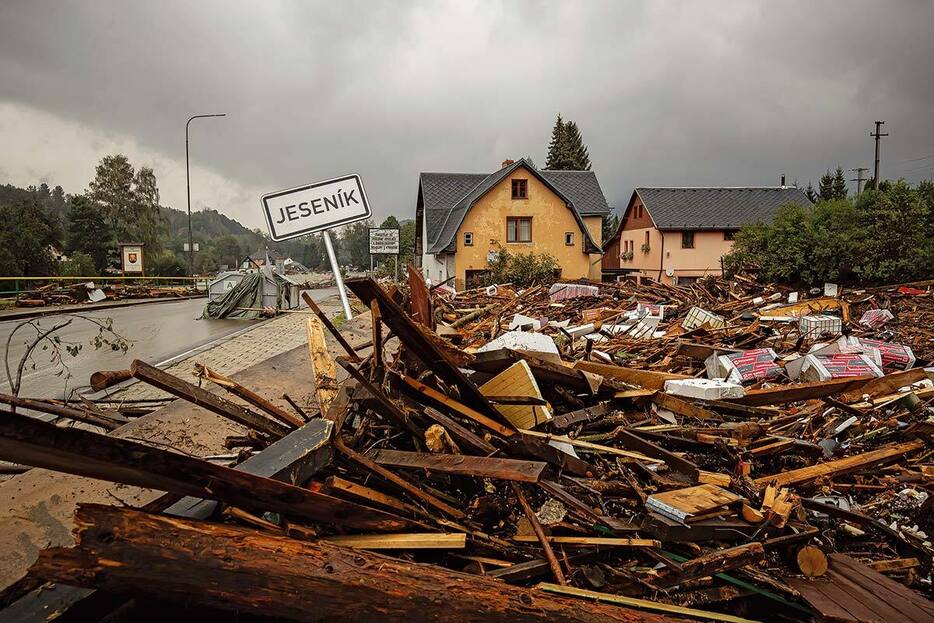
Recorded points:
917,159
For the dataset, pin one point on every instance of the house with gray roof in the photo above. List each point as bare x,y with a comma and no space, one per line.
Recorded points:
463,220
675,235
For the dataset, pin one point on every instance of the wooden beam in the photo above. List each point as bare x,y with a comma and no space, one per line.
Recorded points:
458,407
29,441
590,541
712,563
419,298
593,597
389,408
205,399
421,342
327,323
839,466
682,407
592,447
416,493
79,415
782,394
323,370
244,393
539,534
649,379
414,540
630,439
463,435
179,560
483,467
883,385
367,495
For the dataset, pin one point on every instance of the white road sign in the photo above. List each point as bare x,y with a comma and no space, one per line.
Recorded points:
314,207
384,241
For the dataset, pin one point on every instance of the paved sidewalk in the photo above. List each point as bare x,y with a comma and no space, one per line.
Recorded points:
230,356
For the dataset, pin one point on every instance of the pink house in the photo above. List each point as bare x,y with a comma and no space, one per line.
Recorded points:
675,235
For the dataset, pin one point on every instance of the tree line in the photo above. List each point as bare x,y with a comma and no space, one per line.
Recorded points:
881,236
46,232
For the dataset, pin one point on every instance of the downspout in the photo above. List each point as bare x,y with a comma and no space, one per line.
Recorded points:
661,261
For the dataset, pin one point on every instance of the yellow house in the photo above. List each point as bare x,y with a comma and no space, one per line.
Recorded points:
463,220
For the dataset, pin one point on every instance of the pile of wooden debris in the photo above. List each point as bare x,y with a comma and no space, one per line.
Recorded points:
711,452
56,293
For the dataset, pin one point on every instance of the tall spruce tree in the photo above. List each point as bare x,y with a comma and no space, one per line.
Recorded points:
839,185
825,186
811,193
559,158
566,151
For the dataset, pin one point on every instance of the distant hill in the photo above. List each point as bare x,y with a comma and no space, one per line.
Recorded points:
207,224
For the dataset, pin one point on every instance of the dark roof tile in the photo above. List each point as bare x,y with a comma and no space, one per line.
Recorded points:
716,208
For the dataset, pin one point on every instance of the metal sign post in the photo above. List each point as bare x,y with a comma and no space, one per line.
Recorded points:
338,279
320,206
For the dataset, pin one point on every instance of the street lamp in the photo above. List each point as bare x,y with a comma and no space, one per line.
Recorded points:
191,246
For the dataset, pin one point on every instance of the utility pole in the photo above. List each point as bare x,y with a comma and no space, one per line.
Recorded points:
877,135
859,178
191,244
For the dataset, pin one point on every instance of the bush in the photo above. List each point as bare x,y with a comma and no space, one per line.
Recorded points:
78,265
523,269
165,264
881,238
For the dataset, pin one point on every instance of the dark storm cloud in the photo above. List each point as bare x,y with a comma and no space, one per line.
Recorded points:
731,93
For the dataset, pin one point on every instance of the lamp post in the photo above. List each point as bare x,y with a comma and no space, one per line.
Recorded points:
191,246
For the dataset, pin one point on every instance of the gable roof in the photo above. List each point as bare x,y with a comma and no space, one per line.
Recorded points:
716,208
447,197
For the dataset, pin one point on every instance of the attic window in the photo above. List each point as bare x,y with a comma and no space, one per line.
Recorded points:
520,189
569,238
687,240
468,238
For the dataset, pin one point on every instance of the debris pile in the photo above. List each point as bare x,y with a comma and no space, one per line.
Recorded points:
88,292
538,455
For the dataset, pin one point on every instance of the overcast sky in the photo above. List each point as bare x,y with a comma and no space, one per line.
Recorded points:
665,93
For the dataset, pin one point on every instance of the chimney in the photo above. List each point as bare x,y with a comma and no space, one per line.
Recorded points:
507,162
783,180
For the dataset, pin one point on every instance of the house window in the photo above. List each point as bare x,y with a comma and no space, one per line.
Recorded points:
520,189
519,229
729,234
468,238
569,238
687,240
646,243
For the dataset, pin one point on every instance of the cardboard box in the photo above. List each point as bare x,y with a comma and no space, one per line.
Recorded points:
838,366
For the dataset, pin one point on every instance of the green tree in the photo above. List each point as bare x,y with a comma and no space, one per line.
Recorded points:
112,190
228,250
559,158
610,225
811,193
354,247
566,150
78,264
166,264
825,186
27,232
148,225
839,185
89,232
896,243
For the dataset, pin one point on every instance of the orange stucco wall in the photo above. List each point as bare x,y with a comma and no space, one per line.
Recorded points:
551,218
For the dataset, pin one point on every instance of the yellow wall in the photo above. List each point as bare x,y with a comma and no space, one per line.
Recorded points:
551,218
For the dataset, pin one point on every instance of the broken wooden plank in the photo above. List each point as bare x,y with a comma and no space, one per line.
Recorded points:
682,407
419,298
389,408
415,492
782,394
642,604
32,442
460,433
205,399
517,380
539,534
330,326
711,563
177,560
629,439
444,401
839,466
418,340
649,379
367,495
590,541
592,447
883,385
587,414
248,395
414,540
484,467
79,415
323,370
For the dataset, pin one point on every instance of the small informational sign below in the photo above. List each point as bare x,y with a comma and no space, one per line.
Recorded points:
197,246
131,259
384,241
315,207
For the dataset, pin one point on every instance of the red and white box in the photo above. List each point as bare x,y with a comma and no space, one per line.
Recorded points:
744,367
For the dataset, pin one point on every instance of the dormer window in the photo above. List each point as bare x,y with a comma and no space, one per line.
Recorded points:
520,189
